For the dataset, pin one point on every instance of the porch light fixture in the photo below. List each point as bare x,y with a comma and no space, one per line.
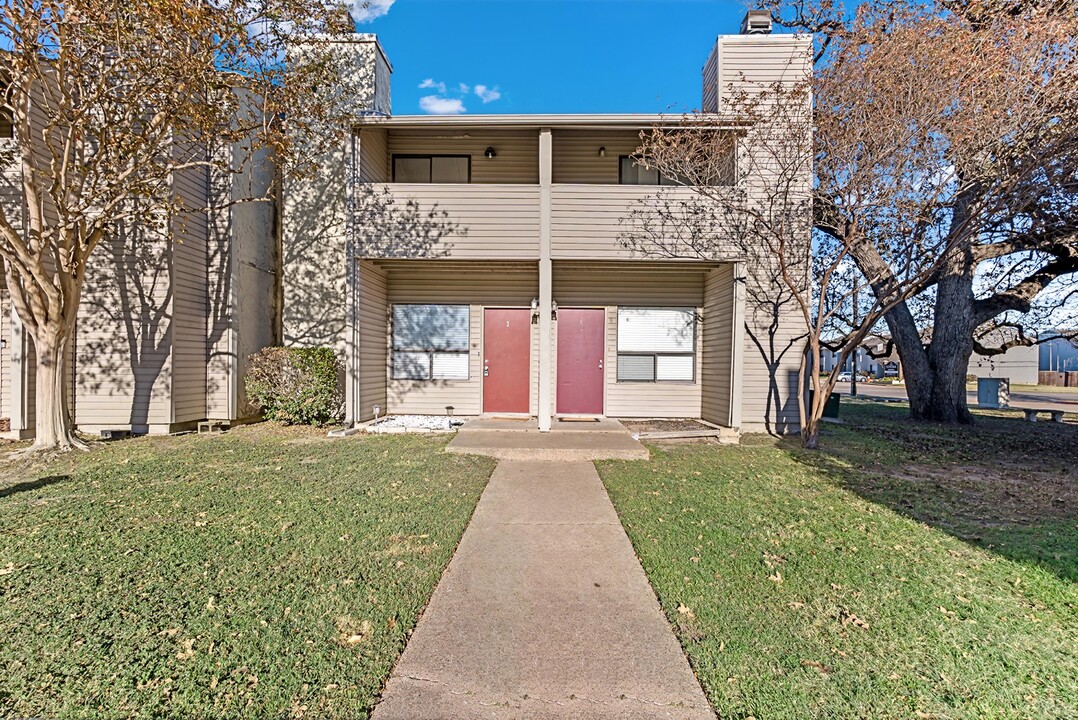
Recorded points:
449,410
553,310
535,311
490,153
602,151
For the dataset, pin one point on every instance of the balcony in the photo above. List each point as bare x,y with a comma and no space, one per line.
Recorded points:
460,221
588,220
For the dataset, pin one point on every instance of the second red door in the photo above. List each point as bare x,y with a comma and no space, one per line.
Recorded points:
581,350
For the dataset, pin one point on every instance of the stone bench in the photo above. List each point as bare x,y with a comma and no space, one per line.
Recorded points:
1031,415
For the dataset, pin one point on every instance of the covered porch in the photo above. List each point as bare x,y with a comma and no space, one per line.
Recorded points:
622,339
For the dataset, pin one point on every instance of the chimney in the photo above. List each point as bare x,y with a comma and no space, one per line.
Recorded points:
756,22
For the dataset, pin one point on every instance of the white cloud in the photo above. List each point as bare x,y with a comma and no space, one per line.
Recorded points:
487,95
464,88
429,83
435,105
367,10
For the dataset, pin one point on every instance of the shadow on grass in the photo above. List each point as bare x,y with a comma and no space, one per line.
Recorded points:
31,485
1003,484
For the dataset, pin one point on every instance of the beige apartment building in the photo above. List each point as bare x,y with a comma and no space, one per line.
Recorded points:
464,264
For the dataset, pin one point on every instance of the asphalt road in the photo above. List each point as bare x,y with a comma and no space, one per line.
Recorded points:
1033,399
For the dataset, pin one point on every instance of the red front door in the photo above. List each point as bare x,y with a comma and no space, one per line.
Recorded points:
581,349
506,360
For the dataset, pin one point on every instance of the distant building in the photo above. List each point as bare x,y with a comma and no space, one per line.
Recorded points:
1060,354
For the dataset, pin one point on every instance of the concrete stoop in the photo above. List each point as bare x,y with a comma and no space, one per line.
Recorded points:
560,445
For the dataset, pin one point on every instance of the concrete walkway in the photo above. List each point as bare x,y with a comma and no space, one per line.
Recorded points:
544,612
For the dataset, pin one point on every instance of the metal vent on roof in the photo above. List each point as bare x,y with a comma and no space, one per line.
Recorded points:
756,22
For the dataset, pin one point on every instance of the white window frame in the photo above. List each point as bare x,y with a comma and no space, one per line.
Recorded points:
656,355
429,350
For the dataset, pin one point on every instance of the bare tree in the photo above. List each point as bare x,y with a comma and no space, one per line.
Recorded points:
110,103
753,200
994,91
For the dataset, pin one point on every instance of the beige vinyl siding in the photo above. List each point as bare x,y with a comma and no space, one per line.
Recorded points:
710,91
220,288
478,286
124,334
608,286
190,304
490,222
755,60
11,202
373,340
768,397
374,155
517,161
588,220
717,335
576,157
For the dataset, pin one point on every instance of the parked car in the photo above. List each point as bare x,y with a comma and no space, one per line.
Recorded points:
845,377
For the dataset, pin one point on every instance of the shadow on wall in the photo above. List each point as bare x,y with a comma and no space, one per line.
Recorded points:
154,313
125,331
766,306
315,254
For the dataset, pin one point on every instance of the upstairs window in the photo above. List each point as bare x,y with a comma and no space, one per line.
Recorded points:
432,168
631,172
430,342
656,344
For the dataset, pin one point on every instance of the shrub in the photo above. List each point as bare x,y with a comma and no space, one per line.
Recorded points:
296,386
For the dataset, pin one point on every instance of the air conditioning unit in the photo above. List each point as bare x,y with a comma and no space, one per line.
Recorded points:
756,22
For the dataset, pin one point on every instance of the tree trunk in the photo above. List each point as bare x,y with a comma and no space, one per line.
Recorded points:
810,434
951,348
53,427
913,359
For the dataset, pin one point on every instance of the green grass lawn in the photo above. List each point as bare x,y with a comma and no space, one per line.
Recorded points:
905,571
263,573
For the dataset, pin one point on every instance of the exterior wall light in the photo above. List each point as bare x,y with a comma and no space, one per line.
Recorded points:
490,153
553,310
602,151
535,311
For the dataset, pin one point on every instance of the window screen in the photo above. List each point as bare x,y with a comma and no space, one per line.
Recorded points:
656,344
430,342
432,168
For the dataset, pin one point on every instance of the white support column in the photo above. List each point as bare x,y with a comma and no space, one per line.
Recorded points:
737,344
546,324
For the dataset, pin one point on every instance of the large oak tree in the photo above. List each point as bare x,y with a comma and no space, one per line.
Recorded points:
994,85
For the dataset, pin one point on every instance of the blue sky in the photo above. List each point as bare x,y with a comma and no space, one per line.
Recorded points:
548,56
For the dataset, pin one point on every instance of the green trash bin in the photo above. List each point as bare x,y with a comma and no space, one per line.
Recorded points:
830,408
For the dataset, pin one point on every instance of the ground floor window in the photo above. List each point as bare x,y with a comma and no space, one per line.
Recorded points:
656,344
430,342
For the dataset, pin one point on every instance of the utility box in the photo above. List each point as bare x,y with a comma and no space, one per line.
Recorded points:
993,392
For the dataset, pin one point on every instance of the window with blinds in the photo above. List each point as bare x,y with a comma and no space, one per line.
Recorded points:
430,342
656,344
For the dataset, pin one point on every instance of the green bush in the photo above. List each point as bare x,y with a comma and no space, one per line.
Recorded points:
296,386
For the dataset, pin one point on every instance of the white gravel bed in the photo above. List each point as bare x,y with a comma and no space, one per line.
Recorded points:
415,423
